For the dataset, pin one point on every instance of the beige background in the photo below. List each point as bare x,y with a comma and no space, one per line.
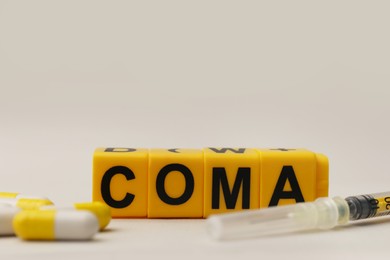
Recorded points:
75,75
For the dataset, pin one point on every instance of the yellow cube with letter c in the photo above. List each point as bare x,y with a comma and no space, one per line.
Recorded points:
120,179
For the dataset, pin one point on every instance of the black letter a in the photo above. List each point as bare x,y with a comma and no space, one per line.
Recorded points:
295,193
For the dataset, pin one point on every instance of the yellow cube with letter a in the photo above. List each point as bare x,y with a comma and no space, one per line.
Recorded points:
231,180
175,185
120,180
289,176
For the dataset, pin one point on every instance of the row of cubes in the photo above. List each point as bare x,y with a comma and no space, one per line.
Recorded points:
195,183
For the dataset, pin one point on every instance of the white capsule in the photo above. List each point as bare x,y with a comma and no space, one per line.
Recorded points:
55,225
7,214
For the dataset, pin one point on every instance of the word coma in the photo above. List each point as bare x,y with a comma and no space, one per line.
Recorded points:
194,183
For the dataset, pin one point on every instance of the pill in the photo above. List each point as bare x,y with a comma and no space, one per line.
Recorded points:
8,194
99,209
23,201
7,214
27,203
15,195
55,225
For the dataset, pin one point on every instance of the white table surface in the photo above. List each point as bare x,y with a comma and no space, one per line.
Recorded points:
76,75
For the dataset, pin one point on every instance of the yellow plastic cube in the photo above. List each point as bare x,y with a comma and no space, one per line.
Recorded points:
322,175
175,188
231,180
289,176
120,180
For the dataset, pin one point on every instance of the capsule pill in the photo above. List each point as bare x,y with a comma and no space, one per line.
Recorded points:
23,201
55,225
99,209
7,214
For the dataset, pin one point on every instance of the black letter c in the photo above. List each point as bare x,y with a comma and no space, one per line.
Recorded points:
105,187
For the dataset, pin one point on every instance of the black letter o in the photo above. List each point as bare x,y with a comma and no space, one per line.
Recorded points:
160,184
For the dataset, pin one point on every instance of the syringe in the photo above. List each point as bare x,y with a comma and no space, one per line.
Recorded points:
323,213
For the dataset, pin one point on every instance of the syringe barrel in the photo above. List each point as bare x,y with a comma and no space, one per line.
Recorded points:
254,222
369,205
324,213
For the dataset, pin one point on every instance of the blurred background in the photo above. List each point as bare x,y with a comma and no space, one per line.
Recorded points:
76,75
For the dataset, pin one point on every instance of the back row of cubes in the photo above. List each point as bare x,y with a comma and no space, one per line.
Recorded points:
194,183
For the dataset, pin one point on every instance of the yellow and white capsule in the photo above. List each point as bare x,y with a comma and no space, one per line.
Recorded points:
55,225
7,214
10,195
23,201
99,209
15,195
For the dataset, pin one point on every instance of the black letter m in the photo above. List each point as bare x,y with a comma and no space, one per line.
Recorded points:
219,177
